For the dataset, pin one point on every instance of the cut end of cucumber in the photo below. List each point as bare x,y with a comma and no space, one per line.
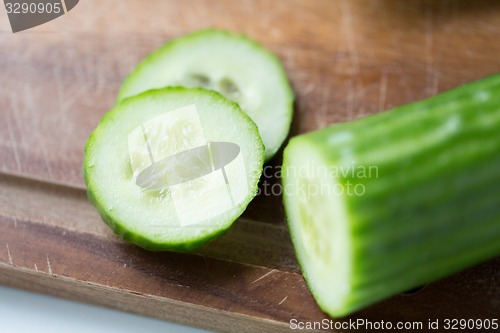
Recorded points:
318,226
171,169
433,211
232,64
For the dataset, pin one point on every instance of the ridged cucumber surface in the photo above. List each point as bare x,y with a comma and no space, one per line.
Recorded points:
398,199
173,168
232,64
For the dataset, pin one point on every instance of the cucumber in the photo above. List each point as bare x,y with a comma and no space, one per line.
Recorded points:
232,64
173,168
396,200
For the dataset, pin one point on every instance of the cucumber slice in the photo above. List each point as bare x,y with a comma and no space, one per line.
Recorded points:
396,200
235,66
171,169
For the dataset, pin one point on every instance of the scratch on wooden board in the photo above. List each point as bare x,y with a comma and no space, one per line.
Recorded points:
350,99
68,97
46,161
435,83
69,100
13,144
265,275
19,111
432,82
8,254
350,36
284,299
36,268
322,114
383,91
181,285
398,70
30,105
308,88
32,108
18,125
15,221
48,266
56,74
118,267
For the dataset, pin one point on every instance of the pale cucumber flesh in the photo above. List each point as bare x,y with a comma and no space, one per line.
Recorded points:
171,169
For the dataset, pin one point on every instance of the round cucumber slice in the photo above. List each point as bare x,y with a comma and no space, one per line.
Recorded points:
173,168
232,64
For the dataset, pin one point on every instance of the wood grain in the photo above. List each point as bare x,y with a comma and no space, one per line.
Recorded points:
72,255
345,59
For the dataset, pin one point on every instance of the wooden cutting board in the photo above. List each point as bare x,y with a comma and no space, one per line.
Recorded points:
345,59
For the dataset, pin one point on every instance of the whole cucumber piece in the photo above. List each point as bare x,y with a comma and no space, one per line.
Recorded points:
396,200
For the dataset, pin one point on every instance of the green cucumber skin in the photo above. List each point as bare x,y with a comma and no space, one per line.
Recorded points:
127,88
118,226
435,207
123,93
141,241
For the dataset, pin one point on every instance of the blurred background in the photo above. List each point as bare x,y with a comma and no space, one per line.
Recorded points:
24,312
